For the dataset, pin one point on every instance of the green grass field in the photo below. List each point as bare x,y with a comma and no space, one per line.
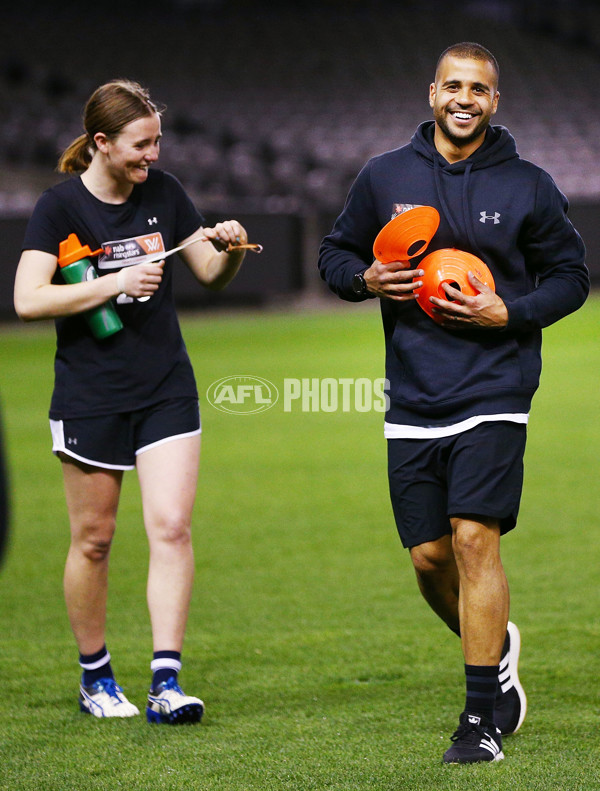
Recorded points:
320,665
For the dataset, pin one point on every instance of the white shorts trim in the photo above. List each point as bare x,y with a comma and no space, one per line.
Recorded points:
58,446
400,431
168,439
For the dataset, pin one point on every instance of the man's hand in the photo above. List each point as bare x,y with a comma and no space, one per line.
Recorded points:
485,309
392,281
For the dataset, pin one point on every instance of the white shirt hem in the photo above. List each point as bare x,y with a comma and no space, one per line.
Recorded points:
400,431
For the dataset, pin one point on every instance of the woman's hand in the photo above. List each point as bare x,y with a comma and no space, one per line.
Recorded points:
224,234
216,264
140,280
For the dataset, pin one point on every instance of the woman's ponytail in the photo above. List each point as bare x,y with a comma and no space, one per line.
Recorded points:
77,156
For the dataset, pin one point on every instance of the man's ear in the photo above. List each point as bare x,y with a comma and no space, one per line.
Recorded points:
431,94
495,102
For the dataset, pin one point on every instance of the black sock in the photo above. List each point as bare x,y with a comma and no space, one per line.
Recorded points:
482,681
95,666
165,665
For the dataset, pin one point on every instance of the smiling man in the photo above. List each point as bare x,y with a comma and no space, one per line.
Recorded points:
463,97
461,386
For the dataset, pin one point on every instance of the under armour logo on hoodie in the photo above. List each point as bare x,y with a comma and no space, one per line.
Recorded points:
483,217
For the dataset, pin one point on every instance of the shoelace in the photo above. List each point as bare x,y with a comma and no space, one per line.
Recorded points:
468,729
110,686
172,685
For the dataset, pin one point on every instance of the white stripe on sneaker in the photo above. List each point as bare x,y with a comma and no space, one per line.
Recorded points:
513,664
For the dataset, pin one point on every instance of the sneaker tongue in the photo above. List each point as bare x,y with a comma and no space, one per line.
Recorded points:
474,720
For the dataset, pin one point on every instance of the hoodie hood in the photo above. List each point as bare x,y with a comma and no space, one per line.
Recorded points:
498,146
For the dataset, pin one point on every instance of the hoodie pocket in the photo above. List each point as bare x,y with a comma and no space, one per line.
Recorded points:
434,365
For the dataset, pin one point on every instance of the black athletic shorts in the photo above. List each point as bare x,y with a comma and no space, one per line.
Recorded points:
113,441
476,473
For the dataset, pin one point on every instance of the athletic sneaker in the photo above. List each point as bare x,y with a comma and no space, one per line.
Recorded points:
167,704
105,698
511,702
475,740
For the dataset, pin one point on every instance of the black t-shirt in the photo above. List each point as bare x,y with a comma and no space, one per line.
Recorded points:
146,361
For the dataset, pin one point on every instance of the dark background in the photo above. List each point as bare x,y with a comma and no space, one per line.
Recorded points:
272,108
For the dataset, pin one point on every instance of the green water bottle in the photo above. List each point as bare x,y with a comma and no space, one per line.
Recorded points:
76,267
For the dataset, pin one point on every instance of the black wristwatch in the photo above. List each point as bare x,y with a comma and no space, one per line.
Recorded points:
359,285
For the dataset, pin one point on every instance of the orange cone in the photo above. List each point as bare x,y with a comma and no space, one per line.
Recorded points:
449,266
407,235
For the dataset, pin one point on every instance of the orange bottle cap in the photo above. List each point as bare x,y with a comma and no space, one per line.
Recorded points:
71,250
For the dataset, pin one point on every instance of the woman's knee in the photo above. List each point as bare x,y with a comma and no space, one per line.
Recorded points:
93,538
173,529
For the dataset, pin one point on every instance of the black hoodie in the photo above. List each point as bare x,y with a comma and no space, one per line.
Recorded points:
497,206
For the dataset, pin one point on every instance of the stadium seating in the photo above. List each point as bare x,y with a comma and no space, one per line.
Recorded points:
275,108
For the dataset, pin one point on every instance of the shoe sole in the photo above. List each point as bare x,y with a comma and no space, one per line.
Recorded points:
86,710
185,715
513,666
498,757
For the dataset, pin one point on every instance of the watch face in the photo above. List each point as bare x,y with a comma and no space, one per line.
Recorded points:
358,284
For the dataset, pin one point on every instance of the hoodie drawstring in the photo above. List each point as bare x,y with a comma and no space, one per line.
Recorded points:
466,209
443,203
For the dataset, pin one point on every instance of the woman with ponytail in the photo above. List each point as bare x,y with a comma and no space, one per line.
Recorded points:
129,400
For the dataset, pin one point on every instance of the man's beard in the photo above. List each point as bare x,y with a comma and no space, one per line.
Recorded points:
461,140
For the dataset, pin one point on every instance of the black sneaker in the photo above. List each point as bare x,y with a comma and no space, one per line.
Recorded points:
475,740
511,702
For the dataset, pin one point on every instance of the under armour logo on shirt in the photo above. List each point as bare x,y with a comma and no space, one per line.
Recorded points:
152,220
483,217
